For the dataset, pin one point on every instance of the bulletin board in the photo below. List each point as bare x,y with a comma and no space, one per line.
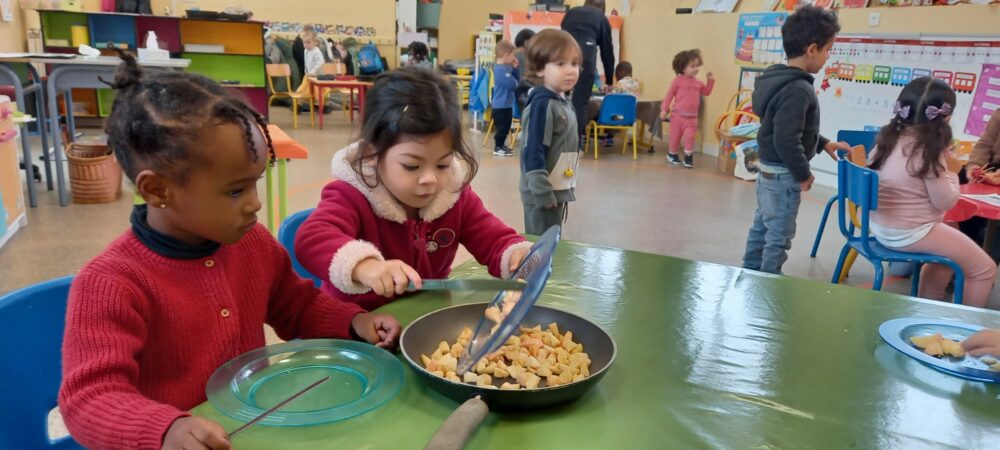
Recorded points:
515,21
864,75
758,38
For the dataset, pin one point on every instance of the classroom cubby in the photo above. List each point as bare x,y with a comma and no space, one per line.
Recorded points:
241,58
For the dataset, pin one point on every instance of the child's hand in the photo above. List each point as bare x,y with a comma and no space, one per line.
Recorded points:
991,178
710,76
985,342
808,184
386,278
517,256
382,330
195,432
974,172
832,147
664,114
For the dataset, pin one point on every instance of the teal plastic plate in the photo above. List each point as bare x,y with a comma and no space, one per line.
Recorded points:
362,378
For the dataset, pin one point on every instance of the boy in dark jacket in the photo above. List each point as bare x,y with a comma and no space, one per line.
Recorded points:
550,148
785,100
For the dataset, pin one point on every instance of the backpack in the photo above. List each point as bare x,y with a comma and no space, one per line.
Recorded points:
369,60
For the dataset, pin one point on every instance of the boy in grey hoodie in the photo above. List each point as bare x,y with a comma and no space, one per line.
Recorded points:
550,144
786,102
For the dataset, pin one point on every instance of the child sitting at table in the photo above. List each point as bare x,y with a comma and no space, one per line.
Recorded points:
916,189
682,102
624,83
402,202
192,283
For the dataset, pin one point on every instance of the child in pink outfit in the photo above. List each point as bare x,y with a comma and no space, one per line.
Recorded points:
685,96
916,189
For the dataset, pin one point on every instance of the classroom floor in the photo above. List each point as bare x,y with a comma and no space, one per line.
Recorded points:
646,206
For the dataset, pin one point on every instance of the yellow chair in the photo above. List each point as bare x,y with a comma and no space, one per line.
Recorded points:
285,71
617,113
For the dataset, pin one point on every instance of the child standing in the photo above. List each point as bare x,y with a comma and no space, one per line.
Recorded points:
402,202
192,283
682,103
550,149
789,135
504,83
916,189
624,83
524,84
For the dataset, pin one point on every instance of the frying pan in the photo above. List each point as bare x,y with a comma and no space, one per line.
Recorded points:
423,335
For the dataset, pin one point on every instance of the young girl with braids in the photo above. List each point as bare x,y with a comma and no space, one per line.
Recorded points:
401,203
194,280
916,189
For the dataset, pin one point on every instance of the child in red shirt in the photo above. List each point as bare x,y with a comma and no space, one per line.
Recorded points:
402,203
682,102
191,285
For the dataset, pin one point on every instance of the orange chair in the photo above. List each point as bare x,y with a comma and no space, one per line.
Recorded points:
285,71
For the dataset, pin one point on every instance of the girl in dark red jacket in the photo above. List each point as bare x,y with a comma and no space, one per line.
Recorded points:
192,283
402,203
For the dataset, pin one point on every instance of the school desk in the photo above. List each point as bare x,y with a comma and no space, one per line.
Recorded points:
285,148
9,77
353,85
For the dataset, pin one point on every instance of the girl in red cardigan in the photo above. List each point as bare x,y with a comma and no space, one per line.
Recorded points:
194,280
402,203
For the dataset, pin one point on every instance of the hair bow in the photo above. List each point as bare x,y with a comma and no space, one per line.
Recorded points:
902,111
933,111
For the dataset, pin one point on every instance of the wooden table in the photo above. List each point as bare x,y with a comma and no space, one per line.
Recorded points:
709,356
285,148
361,86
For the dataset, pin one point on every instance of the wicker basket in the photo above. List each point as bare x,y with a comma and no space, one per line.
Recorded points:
94,173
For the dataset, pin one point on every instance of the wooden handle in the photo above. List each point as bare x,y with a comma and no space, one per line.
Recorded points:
458,428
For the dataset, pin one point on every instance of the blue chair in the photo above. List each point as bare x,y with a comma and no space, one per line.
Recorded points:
32,321
286,236
852,138
617,113
860,185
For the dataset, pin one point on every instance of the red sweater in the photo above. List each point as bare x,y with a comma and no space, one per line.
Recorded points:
354,222
145,332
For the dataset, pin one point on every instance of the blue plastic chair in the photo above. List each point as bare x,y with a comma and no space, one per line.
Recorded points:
32,321
852,138
860,186
617,113
286,236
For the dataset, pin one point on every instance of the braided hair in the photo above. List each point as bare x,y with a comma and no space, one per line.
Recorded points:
157,118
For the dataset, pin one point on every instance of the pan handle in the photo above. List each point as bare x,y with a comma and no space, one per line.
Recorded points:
459,426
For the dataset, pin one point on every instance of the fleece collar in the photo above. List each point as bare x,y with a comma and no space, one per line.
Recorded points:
383,203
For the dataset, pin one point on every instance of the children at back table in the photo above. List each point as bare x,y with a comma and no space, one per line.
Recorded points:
401,203
681,105
624,83
504,82
916,189
550,147
194,280
789,136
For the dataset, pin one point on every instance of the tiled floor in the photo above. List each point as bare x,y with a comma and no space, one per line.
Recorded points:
645,205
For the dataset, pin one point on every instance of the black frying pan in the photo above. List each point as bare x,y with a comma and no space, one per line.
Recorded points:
423,335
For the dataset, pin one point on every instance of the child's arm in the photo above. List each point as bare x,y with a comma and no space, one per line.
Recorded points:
491,242
984,342
503,78
668,100
535,154
943,190
789,123
99,400
297,310
326,243
706,89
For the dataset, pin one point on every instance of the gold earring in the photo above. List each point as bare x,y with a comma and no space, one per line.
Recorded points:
163,205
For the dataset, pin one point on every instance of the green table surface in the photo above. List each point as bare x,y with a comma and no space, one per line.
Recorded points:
709,356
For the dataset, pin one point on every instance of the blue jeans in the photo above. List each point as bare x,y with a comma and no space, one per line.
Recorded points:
778,199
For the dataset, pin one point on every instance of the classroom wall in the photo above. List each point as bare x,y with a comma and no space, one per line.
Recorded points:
653,34
460,19
12,33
